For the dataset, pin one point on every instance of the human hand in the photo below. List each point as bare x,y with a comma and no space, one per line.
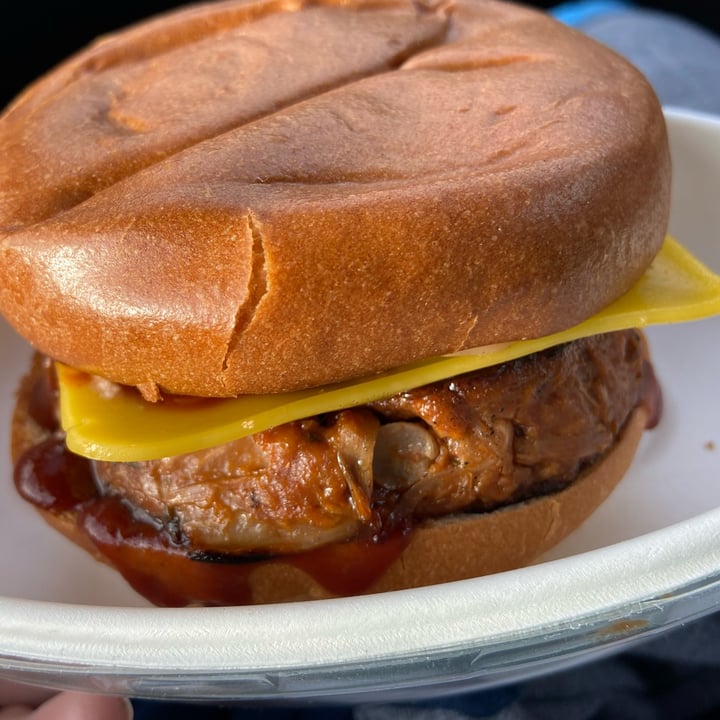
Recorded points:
22,702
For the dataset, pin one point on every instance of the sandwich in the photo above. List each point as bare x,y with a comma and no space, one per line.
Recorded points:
334,298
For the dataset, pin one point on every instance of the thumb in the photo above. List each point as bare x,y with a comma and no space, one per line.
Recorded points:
82,706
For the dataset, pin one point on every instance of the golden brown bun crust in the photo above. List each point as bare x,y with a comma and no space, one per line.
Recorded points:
452,548
243,197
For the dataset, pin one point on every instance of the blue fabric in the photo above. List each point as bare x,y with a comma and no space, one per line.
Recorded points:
577,13
486,704
679,58
149,710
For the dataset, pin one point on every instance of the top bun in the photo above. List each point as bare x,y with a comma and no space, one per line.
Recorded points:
254,196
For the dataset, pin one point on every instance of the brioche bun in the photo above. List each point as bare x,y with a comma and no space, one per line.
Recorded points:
248,197
255,196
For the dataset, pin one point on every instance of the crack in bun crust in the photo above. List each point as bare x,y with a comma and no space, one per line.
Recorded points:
259,196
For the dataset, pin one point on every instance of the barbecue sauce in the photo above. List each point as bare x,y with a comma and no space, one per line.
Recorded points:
155,561
150,556
165,571
167,574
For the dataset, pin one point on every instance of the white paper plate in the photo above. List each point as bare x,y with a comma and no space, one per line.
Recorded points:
646,561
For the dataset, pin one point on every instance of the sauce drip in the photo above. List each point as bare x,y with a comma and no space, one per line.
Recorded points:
52,478
156,567
153,557
165,571
167,575
148,554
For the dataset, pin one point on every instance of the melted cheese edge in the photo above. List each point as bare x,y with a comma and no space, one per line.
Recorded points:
117,425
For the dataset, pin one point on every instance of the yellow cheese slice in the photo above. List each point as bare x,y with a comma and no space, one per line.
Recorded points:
120,426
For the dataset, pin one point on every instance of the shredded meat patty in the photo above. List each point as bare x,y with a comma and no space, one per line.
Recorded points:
471,443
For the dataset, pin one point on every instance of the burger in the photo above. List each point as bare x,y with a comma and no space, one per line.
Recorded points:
332,298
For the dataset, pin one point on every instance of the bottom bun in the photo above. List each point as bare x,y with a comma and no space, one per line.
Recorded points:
471,545
452,548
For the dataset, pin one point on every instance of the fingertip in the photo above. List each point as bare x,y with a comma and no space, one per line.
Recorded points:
84,706
15,712
15,693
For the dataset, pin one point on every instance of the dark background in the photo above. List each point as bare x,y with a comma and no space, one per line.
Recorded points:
33,37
